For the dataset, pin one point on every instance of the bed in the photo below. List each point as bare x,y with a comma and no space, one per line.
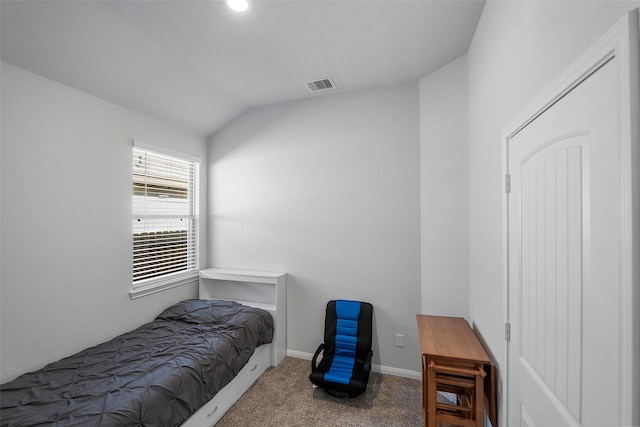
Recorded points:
180,369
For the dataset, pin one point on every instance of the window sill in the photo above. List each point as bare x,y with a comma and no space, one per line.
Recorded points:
163,284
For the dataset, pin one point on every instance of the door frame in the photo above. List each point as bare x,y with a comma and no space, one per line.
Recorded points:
622,42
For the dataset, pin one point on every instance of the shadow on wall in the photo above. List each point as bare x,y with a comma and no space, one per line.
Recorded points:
236,135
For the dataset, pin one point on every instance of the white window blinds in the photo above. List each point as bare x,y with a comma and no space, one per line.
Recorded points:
165,221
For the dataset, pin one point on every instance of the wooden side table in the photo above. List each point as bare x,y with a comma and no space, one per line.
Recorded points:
454,361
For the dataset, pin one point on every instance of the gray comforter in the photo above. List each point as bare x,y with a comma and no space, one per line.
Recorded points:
156,375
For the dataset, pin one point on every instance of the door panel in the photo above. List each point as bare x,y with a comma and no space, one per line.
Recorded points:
525,419
564,252
551,254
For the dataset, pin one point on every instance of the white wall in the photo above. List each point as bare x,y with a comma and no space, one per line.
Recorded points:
518,49
326,190
65,225
444,191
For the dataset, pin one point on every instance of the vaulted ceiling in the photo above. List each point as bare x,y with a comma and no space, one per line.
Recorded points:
198,64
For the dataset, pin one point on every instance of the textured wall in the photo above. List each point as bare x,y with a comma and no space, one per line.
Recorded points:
66,220
444,191
326,190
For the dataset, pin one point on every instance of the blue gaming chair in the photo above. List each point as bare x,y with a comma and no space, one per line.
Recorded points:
346,358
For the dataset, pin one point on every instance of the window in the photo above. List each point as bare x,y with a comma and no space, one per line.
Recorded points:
165,221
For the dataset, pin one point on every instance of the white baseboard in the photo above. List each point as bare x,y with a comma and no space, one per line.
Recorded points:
405,373
299,354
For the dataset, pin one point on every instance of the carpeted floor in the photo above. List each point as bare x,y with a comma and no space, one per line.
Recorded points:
284,396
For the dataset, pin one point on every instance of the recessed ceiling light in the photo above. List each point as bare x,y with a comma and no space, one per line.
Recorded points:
238,5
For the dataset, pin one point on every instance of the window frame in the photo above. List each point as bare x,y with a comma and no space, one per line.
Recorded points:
160,283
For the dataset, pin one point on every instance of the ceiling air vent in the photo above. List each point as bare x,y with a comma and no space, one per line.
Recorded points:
321,85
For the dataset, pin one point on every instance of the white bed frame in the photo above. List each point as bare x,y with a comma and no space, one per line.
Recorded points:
262,289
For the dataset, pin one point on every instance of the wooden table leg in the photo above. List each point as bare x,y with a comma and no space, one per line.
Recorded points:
424,389
431,396
478,396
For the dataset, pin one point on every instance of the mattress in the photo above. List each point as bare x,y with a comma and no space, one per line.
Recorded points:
156,375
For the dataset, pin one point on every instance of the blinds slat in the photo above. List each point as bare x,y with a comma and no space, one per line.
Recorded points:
165,193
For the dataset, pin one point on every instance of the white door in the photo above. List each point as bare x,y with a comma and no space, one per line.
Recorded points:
564,260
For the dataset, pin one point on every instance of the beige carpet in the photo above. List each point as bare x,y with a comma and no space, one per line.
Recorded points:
284,396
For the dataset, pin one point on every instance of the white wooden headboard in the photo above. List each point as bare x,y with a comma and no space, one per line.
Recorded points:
262,289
